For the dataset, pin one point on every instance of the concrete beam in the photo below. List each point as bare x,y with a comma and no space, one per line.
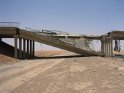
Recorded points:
8,30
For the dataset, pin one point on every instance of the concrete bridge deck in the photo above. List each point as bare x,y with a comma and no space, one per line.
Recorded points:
29,37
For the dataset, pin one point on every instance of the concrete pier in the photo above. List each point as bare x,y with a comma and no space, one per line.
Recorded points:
33,48
16,46
20,48
30,52
0,39
107,47
28,49
24,48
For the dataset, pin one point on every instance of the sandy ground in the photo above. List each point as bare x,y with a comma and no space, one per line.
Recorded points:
6,60
46,53
63,75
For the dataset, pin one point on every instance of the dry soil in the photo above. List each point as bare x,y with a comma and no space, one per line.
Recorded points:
63,75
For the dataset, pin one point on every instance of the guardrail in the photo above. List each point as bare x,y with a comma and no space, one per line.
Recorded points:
9,24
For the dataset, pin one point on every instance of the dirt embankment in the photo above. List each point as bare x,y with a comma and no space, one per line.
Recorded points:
6,53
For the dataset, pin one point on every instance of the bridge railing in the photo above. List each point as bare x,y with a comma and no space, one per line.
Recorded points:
9,24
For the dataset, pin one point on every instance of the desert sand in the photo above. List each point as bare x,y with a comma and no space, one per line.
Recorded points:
63,75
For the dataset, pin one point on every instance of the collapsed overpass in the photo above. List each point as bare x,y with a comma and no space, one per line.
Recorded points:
24,42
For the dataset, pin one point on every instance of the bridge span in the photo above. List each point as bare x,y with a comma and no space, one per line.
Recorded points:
24,42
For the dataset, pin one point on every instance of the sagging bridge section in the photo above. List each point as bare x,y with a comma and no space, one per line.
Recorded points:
24,42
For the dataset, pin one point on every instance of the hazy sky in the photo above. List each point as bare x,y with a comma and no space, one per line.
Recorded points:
75,16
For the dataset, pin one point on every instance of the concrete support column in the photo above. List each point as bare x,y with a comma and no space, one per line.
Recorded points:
0,39
16,46
107,48
28,48
102,46
33,48
24,48
20,48
111,47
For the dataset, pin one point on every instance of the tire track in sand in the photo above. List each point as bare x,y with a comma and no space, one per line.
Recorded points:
11,84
